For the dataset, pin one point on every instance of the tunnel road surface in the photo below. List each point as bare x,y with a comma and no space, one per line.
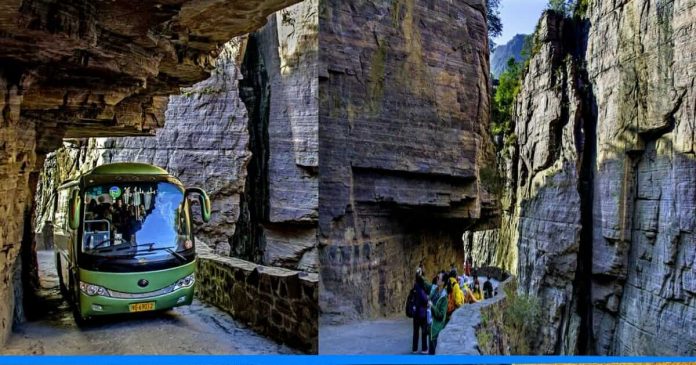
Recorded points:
195,329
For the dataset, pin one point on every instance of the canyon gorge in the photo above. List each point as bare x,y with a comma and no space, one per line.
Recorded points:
343,143
598,212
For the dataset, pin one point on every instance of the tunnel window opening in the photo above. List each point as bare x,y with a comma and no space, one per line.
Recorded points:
141,220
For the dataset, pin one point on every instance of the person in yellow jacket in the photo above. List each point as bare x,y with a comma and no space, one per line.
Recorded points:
477,293
457,298
469,296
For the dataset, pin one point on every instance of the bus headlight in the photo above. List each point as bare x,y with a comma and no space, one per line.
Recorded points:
185,282
92,290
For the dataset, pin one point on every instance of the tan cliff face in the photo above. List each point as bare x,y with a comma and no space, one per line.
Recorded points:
602,181
84,69
404,104
204,143
214,138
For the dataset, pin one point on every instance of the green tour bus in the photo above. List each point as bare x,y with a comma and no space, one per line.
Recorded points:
123,240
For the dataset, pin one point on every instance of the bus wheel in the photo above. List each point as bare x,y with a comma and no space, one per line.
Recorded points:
75,304
61,282
79,320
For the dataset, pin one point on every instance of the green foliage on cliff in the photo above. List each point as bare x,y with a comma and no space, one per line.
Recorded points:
581,7
575,8
561,6
509,326
492,180
376,88
495,25
509,86
190,92
521,320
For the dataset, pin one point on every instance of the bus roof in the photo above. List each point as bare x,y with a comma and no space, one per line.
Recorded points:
119,168
130,168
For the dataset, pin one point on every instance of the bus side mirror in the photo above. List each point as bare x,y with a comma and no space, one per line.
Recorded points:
74,210
203,200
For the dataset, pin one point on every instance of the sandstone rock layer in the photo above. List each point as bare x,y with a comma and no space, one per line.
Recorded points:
403,107
89,69
214,137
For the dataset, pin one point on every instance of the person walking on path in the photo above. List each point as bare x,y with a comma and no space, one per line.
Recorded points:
488,288
438,307
420,317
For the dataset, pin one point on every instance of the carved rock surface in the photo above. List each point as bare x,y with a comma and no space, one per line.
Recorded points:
549,231
206,142
90,69
88,65
203,143
403,108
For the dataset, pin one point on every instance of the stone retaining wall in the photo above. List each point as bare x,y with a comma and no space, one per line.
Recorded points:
276,302
459,336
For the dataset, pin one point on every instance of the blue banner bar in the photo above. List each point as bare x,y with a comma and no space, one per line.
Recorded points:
328,359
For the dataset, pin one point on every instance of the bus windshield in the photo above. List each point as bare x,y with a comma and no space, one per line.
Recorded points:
142,220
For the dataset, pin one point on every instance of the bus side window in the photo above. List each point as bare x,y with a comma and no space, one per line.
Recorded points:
61,213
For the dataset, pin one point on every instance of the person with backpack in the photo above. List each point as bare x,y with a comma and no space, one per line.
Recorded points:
487,288
438,306
420,315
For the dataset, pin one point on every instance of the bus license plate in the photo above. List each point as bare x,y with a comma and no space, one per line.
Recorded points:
141,307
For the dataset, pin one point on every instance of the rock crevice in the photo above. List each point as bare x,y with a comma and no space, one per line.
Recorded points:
602,216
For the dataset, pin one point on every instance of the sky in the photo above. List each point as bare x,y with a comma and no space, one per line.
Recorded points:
519,17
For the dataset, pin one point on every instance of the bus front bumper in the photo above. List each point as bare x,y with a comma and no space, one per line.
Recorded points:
102,305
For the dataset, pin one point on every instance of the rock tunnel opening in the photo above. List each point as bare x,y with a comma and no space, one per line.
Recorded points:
90,96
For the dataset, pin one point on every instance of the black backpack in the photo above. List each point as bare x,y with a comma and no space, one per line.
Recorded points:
411,304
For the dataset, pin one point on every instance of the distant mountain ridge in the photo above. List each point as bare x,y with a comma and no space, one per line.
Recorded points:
503,52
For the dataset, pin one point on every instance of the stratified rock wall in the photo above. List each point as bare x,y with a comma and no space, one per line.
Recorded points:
258,166
641,61
289,46
17,163
605,180
547,194
204,143
404,101
106,68
89,69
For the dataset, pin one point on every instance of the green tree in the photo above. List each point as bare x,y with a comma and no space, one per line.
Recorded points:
495,25
509,85
562,6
